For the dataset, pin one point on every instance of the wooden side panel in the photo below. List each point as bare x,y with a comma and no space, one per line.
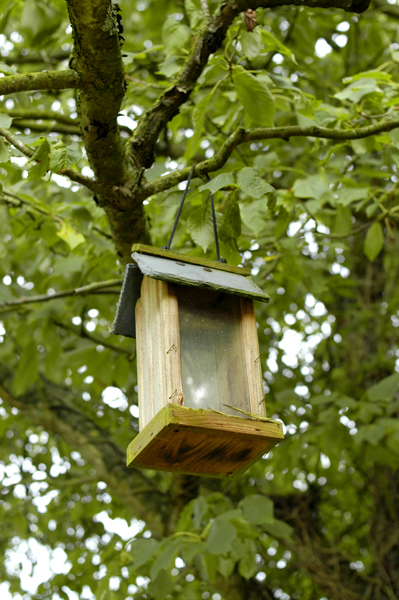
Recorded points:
158,349
172,360
252,357
142,367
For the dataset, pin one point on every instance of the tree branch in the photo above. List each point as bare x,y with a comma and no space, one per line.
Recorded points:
241,136
14,141
46,126
31,82
91,288
32,113
209,39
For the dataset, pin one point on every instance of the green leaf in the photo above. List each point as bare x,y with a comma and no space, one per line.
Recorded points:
221,534
278,529
200,227
374,242
274,45
141,550
70,264
198,117
356,90
253,215
311,187
218,182
175,36
231,226
27,371
5,120
384,389
62,157
191,549
375,74
194,12
244,529
251,42
42,159
162,585
258,509
253,185
343,221
247,566
225,566
4,151
200,509
348,195
167,554
72,237
255,97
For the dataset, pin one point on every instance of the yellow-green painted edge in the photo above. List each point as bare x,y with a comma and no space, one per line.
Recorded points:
203,262
165,417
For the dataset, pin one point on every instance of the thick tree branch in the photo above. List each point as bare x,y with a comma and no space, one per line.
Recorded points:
91,288
241,136
97,58
31,82
209,39
56,409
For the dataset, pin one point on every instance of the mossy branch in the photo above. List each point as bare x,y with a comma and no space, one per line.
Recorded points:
32,82
209,39
241,136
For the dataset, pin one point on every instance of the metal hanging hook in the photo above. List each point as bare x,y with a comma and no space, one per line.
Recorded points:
218,259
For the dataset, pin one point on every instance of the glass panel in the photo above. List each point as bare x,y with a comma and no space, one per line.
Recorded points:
211,345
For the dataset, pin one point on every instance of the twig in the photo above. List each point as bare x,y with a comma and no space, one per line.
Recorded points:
82,332
92,185
13,139
92,288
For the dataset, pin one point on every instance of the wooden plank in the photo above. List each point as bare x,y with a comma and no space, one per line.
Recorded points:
158,292
208,419
197,276
144,249
142,366
253,365
171,351
190,441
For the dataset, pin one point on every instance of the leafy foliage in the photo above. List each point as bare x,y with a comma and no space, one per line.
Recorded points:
315,219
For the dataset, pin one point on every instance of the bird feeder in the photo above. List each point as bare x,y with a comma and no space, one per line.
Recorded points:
201,397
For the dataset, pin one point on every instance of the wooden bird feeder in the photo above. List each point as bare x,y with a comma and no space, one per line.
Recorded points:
201,397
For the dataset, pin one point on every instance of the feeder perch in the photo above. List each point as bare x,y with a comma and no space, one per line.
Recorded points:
201,397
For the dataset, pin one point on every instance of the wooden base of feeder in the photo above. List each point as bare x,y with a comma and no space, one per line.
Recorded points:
202,442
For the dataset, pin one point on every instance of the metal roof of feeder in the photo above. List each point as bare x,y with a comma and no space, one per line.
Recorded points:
181,269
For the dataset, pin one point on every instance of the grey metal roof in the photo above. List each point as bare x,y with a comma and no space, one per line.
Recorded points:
179,272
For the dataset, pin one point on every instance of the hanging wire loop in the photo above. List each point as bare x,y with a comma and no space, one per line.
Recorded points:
215,231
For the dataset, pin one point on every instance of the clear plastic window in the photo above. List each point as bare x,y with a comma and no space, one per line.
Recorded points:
212,355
